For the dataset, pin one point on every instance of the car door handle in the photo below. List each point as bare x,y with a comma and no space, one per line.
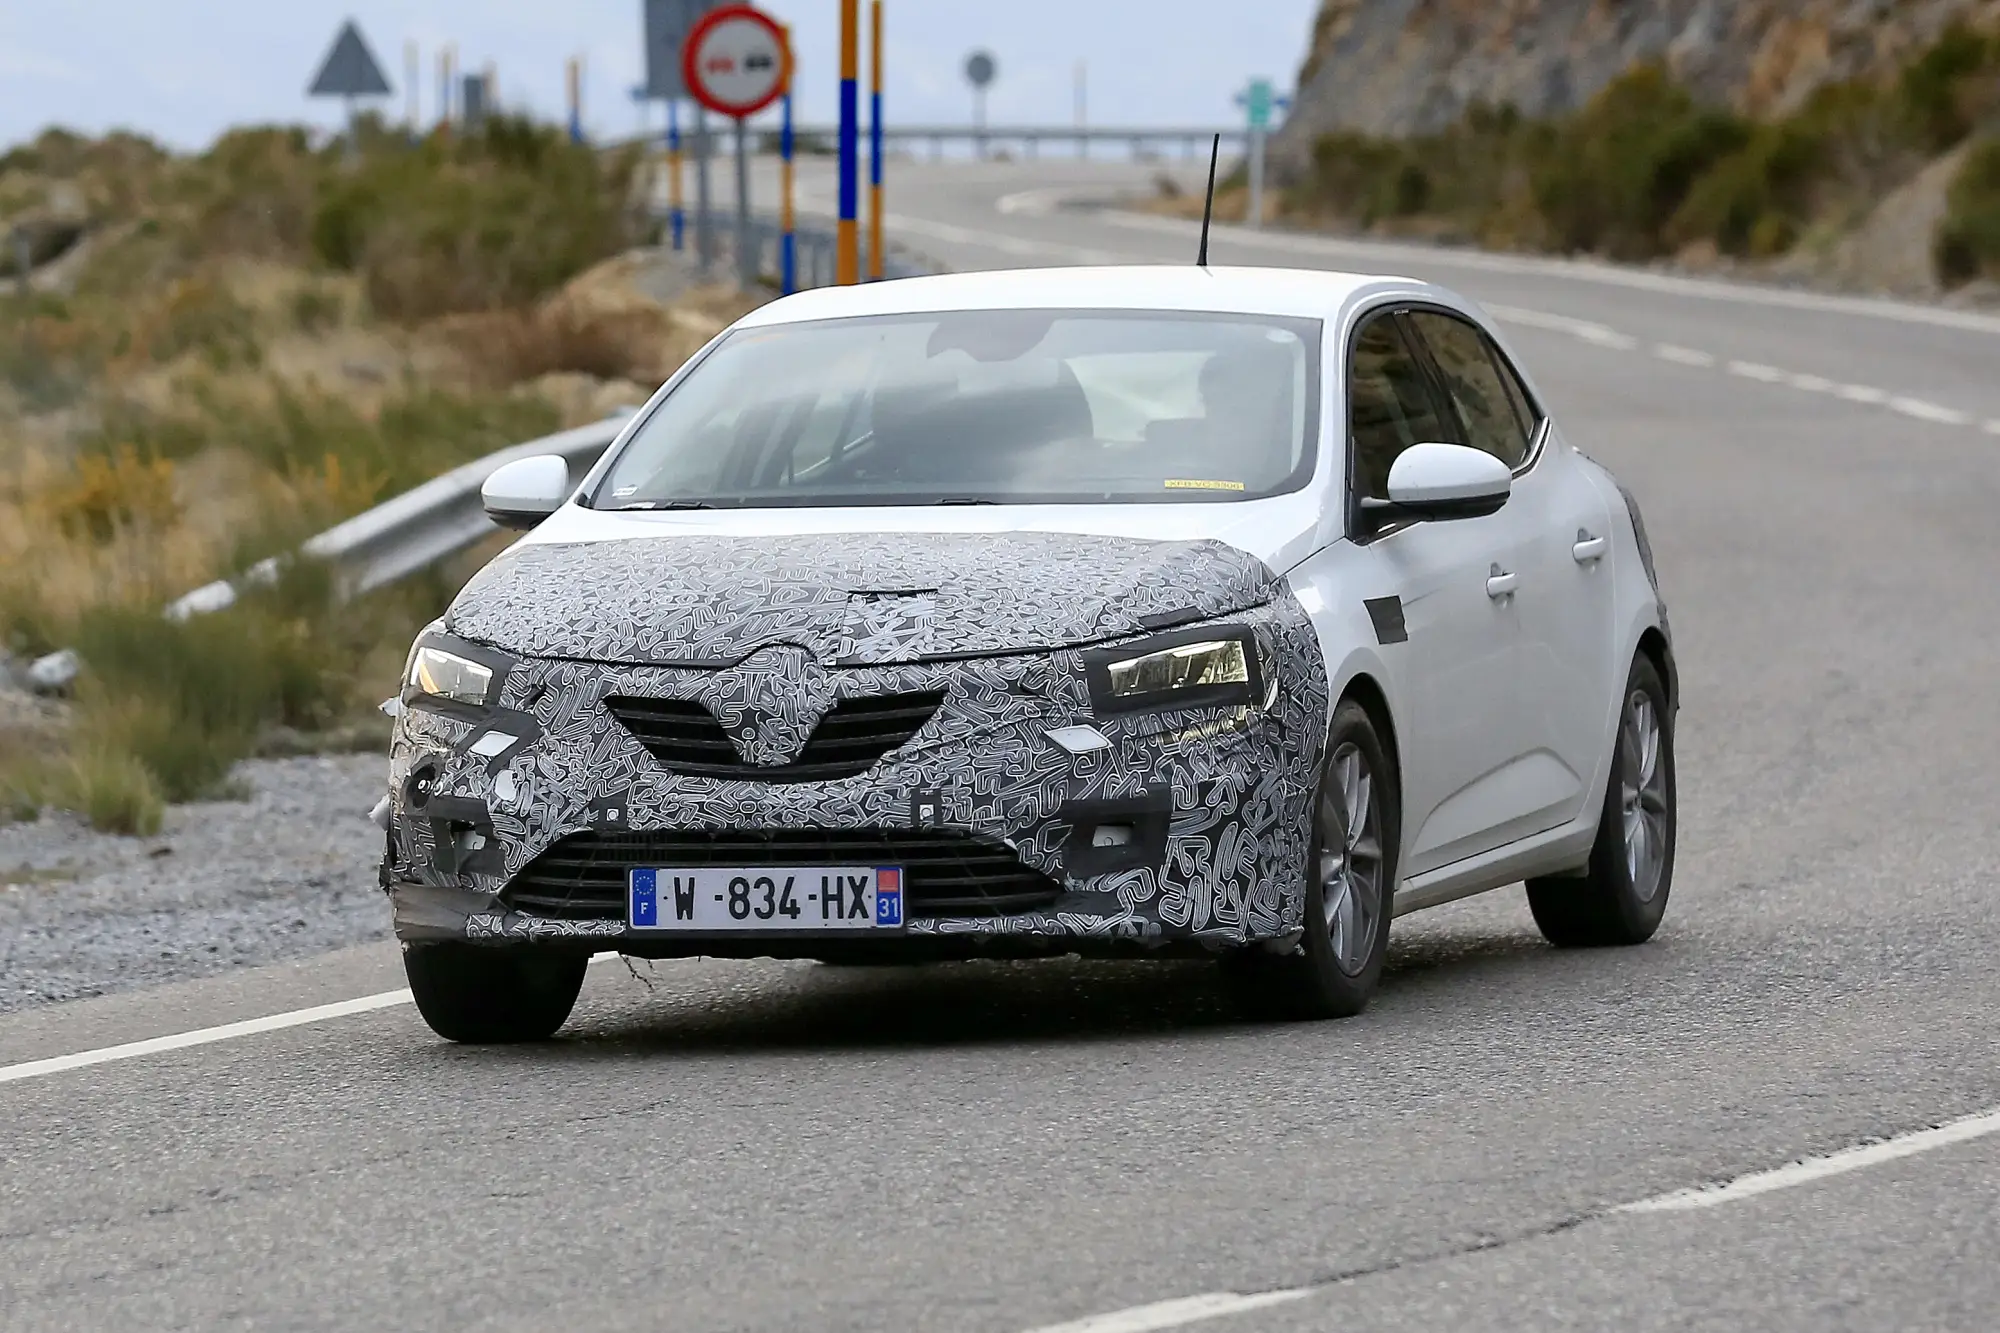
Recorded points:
1588,548
1499,583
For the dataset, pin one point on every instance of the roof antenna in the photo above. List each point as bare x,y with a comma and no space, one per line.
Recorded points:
1208,204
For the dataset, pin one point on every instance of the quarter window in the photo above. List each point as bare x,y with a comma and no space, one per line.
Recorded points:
1473,379
1390,406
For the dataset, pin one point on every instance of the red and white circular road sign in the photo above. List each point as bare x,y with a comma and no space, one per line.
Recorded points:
736,61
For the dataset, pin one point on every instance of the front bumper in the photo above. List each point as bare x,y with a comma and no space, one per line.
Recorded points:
516,822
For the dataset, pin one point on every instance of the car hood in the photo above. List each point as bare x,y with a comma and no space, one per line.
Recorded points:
849,598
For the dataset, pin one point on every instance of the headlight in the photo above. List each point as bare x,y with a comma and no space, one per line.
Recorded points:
438,674
1187,670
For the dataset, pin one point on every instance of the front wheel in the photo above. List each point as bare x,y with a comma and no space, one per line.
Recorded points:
1350,883
493,995
1623,892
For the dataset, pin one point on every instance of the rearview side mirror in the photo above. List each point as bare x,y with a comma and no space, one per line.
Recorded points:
1444,481
526,491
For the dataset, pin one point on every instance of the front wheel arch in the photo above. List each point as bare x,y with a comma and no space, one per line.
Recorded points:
1366,691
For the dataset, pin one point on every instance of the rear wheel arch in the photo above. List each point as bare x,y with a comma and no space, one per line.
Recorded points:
1654,647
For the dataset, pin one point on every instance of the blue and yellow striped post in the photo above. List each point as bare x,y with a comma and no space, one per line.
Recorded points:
847,260
875,142
788,240
676,213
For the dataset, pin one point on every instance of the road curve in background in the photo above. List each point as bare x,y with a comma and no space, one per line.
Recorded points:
1502,1141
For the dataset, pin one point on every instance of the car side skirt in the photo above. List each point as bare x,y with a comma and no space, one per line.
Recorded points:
1560,849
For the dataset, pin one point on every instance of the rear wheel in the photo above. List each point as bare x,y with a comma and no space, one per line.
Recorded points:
493,995
1350,883
1623,892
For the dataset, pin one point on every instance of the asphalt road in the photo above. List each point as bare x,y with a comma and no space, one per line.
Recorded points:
1009,1147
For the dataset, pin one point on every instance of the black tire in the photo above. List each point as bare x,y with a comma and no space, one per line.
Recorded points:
1609,905
1334,969
496,995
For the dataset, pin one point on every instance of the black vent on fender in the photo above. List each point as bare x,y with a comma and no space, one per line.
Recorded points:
851,739
583,876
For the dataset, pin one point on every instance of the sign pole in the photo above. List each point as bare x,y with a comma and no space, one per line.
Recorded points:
1256,177
704,220
412,80
746,255
676,214
875,142
736,61
788,241
444,89
847,263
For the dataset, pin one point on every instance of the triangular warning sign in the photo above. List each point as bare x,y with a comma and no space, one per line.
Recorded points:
350,69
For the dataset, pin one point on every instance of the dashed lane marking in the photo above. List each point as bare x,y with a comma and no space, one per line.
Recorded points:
1684,356
1602,336
1820,1168
1212,1305
1178,1312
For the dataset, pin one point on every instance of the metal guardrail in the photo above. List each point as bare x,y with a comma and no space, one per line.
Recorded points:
417,528
1139,139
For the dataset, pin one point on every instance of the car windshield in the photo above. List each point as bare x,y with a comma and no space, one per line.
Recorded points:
983,406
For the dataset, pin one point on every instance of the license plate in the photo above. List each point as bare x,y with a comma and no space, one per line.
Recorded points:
806,898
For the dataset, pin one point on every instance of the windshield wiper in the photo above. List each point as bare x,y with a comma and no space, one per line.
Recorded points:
660,506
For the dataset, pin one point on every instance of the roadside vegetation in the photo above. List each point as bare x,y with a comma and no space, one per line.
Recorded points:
1644,171
224,353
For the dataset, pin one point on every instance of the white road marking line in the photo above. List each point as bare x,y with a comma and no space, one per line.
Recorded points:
1376,252
1683,356
1923,411
319,1013
1589,331
1819,1168
248,1027
1755,370
1175,1313
1576,328
1013,245
1211,1305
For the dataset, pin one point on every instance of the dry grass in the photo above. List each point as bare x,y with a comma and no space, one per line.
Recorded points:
248,346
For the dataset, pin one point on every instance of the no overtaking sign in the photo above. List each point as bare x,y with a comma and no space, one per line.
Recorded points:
736,61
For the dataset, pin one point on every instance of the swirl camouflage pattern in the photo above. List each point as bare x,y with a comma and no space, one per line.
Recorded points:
761,640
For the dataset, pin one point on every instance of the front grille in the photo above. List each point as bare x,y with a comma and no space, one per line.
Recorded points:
851,739
583,876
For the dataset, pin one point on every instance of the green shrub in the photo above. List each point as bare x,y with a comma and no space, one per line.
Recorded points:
18,804
498,218
1758,199
114,791
1967,244
1943,91
418,432
1619,170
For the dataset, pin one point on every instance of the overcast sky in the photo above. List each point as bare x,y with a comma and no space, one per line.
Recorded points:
183,70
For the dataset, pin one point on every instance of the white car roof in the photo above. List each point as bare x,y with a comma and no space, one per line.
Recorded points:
1307,293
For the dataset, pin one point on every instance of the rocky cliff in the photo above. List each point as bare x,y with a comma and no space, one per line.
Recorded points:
1403,66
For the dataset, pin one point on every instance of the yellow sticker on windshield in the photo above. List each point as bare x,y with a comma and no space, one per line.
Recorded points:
1178,484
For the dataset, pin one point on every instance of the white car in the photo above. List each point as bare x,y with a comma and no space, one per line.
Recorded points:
1230,612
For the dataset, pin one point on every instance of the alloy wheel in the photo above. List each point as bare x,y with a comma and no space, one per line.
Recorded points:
1350,860
1643,794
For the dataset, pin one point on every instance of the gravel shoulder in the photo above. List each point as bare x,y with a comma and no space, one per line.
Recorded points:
286,874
